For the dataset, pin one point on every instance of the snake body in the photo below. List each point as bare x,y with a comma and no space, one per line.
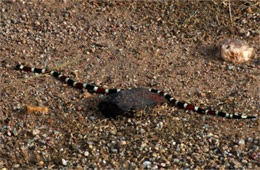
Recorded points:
100,90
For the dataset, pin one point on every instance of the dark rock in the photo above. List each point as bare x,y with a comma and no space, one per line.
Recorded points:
129,101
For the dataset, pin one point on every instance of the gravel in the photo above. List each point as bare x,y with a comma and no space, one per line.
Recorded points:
168,46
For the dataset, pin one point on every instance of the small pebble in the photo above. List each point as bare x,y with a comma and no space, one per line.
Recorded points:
241,142
160,125
37,23
142,131
92,117
176,160
163,164
41,163
15,132
122,143
155,167
243,21
147,164
16,165
36,132
249,139
86,153
230,67
244,161
9,133
113,131
64,162
114,150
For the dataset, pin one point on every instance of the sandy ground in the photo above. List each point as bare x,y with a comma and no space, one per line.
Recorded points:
163,45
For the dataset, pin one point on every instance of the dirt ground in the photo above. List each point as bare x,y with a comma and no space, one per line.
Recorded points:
164,45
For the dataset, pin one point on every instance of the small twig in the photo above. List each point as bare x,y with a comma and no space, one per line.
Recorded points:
187,20
217,20
230,13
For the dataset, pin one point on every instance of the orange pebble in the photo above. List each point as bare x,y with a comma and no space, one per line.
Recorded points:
33,109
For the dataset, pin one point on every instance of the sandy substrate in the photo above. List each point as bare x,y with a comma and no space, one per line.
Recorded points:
167,46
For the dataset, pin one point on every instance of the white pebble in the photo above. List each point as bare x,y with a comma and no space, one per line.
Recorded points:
9,133
176,160
163,164
147,164
92,117
16,165
114,150
142,131
36,132
160,125
241,142
64,162
230,67
250,139
86,153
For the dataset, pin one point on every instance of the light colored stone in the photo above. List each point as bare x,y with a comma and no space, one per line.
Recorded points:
147,164
36,132
236,51
64,162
